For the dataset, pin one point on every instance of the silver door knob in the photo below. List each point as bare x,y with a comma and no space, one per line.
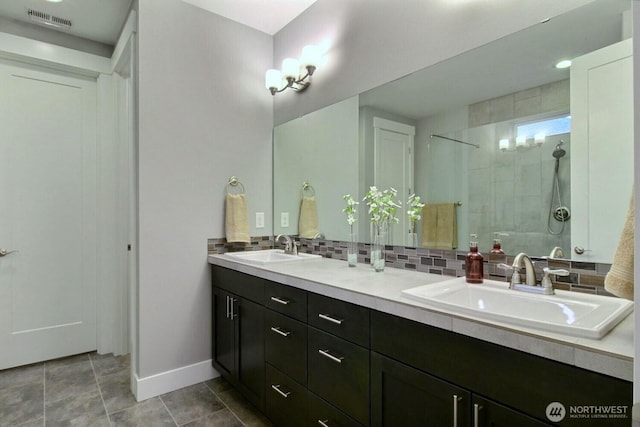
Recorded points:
4,252
580,250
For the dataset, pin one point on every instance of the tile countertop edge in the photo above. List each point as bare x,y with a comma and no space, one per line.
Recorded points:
612,355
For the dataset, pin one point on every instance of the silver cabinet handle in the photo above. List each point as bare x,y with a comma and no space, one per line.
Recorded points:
476,415
284,394
277,330
331,319
325,353
227,302
280,300
232,313
324,423
4,252
456,399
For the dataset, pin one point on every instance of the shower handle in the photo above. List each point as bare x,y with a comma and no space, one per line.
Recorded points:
580,250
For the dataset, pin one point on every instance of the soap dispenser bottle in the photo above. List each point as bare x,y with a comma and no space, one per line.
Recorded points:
474,262
497,244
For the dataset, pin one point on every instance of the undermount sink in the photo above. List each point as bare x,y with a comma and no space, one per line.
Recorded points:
571,313
269,256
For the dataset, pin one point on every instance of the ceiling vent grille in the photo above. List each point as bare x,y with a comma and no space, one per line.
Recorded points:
48,19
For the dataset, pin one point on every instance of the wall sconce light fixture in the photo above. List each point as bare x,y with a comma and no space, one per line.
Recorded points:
296,74
522,143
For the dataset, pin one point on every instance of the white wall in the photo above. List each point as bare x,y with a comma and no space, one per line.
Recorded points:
372,42
204,115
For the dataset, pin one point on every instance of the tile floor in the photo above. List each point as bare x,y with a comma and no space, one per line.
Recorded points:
93,390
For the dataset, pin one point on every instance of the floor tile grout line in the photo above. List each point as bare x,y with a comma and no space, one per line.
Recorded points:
95,376
225,404
167,408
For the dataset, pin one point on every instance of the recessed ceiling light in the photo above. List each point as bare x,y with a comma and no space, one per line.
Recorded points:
564,64
54,1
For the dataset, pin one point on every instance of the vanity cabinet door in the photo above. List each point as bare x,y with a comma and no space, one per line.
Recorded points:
340,318
286,300
223,329
339,373
404,396
238,343
486,413
286,345
322,414
286,400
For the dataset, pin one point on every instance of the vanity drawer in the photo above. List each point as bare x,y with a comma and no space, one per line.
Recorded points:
241,284
339,373
286,400
321,413
286,300
286,345
343,319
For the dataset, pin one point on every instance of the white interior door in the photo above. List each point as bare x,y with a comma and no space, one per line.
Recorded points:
393,160
602,149
47,215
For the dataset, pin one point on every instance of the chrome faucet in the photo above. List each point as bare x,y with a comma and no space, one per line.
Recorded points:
522,260
290,247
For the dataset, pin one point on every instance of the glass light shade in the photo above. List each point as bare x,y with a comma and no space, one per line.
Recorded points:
539,138
310,56
290,68
563,64
273,78
521,141
504,144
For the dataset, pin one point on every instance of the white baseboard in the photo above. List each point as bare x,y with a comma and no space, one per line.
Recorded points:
164,382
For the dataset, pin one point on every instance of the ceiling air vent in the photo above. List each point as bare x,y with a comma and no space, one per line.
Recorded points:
48,19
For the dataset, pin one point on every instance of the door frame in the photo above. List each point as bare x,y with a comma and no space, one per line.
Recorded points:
403,129
116,311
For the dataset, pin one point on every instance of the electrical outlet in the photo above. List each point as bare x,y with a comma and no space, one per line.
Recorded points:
259,219
284,219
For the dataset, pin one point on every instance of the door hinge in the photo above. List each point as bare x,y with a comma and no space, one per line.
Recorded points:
129,247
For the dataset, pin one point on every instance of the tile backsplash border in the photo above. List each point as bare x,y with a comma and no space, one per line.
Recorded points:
586,277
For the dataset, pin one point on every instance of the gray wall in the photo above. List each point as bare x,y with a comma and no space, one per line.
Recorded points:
372,42
204,115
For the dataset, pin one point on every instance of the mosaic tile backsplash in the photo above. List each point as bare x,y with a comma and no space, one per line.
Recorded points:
587,277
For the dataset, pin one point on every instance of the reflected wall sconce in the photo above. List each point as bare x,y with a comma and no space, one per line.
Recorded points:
522,143
296,74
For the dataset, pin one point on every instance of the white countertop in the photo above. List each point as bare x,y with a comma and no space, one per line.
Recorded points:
611,355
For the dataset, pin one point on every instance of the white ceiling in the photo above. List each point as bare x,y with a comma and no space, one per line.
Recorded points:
102,20
268,16
97,20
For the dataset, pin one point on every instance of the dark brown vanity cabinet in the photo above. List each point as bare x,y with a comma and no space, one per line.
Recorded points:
310,360
238,332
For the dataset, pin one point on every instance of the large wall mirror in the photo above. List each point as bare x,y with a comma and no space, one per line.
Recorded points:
497,132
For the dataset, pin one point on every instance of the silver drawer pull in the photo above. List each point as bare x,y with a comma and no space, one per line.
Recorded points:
280,300
330,319
456,399
476,415
326,353
324,423
276,387
277,330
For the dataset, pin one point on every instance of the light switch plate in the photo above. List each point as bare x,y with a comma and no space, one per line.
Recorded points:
259,219
284,219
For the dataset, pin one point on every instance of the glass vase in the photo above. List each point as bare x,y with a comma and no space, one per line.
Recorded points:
377,248
352,250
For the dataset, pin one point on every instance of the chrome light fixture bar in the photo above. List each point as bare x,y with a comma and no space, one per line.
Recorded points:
296,74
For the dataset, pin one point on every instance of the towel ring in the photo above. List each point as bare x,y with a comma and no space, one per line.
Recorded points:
307,187
233,182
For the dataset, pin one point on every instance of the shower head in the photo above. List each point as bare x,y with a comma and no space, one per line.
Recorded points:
559,151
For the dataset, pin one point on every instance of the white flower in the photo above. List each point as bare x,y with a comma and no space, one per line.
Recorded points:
415,208
350,209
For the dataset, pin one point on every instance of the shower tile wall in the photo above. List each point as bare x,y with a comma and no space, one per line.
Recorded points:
511,191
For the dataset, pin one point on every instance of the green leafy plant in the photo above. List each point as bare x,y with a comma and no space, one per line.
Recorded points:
382,207
414,210
351,210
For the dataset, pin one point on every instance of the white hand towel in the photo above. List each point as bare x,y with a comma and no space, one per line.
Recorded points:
619,280
308,222
237,218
